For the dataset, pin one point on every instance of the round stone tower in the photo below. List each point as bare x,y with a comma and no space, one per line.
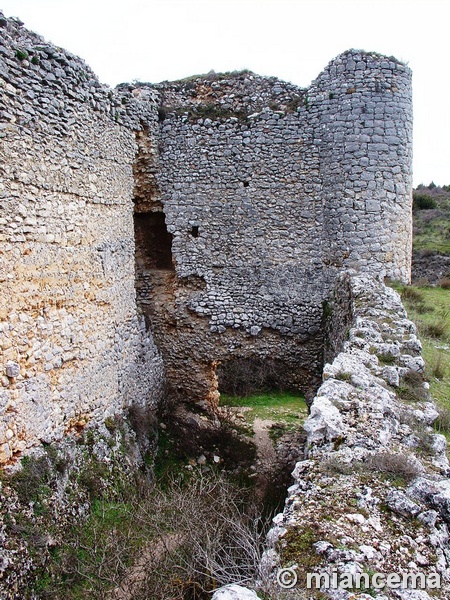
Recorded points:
363,106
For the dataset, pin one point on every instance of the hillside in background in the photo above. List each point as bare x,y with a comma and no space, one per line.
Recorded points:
431,234
428,299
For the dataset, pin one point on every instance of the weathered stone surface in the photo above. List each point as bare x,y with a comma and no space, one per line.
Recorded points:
347,490
234,592
258,193
12,369
284,187
250,196
324,423
400,503
73,349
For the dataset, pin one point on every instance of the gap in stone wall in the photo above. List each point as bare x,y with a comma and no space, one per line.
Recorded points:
243,376
153,241
154,268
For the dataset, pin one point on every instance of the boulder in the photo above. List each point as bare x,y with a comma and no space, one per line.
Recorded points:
234,592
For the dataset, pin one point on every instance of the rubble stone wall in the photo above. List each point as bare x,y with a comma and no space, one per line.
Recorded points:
73,349
362,102
269,191
225,204
371,494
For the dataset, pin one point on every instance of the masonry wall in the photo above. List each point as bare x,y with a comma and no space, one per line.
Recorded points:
238,189
372,491
73,349
362,102
269,191
226,204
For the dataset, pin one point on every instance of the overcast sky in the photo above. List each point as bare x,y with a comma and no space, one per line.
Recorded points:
153,40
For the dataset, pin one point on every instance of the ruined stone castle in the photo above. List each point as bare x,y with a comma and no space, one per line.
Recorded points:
157,232
156,237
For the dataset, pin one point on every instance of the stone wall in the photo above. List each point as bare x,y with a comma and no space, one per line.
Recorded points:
268,191
73,349
248,196
236,190
362,102
371,494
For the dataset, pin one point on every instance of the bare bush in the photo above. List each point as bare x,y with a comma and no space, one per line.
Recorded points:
412,388
439,365
143,421
333,465
442,423
424,439
412,294
244,376
204,537
438,329
393,464
180,541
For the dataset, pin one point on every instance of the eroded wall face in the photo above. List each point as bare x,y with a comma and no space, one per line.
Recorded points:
241,199
229,219
269,191
72,347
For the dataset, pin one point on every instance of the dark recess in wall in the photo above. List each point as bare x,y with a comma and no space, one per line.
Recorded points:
243,376
153,240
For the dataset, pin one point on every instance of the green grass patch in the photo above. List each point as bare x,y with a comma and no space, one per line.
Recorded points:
279,406
432,226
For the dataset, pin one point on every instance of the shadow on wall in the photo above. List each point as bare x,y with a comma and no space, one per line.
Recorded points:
245,376
153,241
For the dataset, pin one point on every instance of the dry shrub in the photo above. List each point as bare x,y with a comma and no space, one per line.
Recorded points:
423,308
395,465
143,422
203,537
333,465
391,464
424,439
407,417
439,366
178,542
413,295
437,329
34,478
411,387
245,376
444,283
442,423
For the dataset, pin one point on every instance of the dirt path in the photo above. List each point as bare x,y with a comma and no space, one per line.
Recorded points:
150,555
266,455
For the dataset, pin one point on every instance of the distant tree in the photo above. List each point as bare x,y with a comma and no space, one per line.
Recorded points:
423,201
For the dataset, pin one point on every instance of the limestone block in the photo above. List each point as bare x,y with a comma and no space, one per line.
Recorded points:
234,592
12,369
